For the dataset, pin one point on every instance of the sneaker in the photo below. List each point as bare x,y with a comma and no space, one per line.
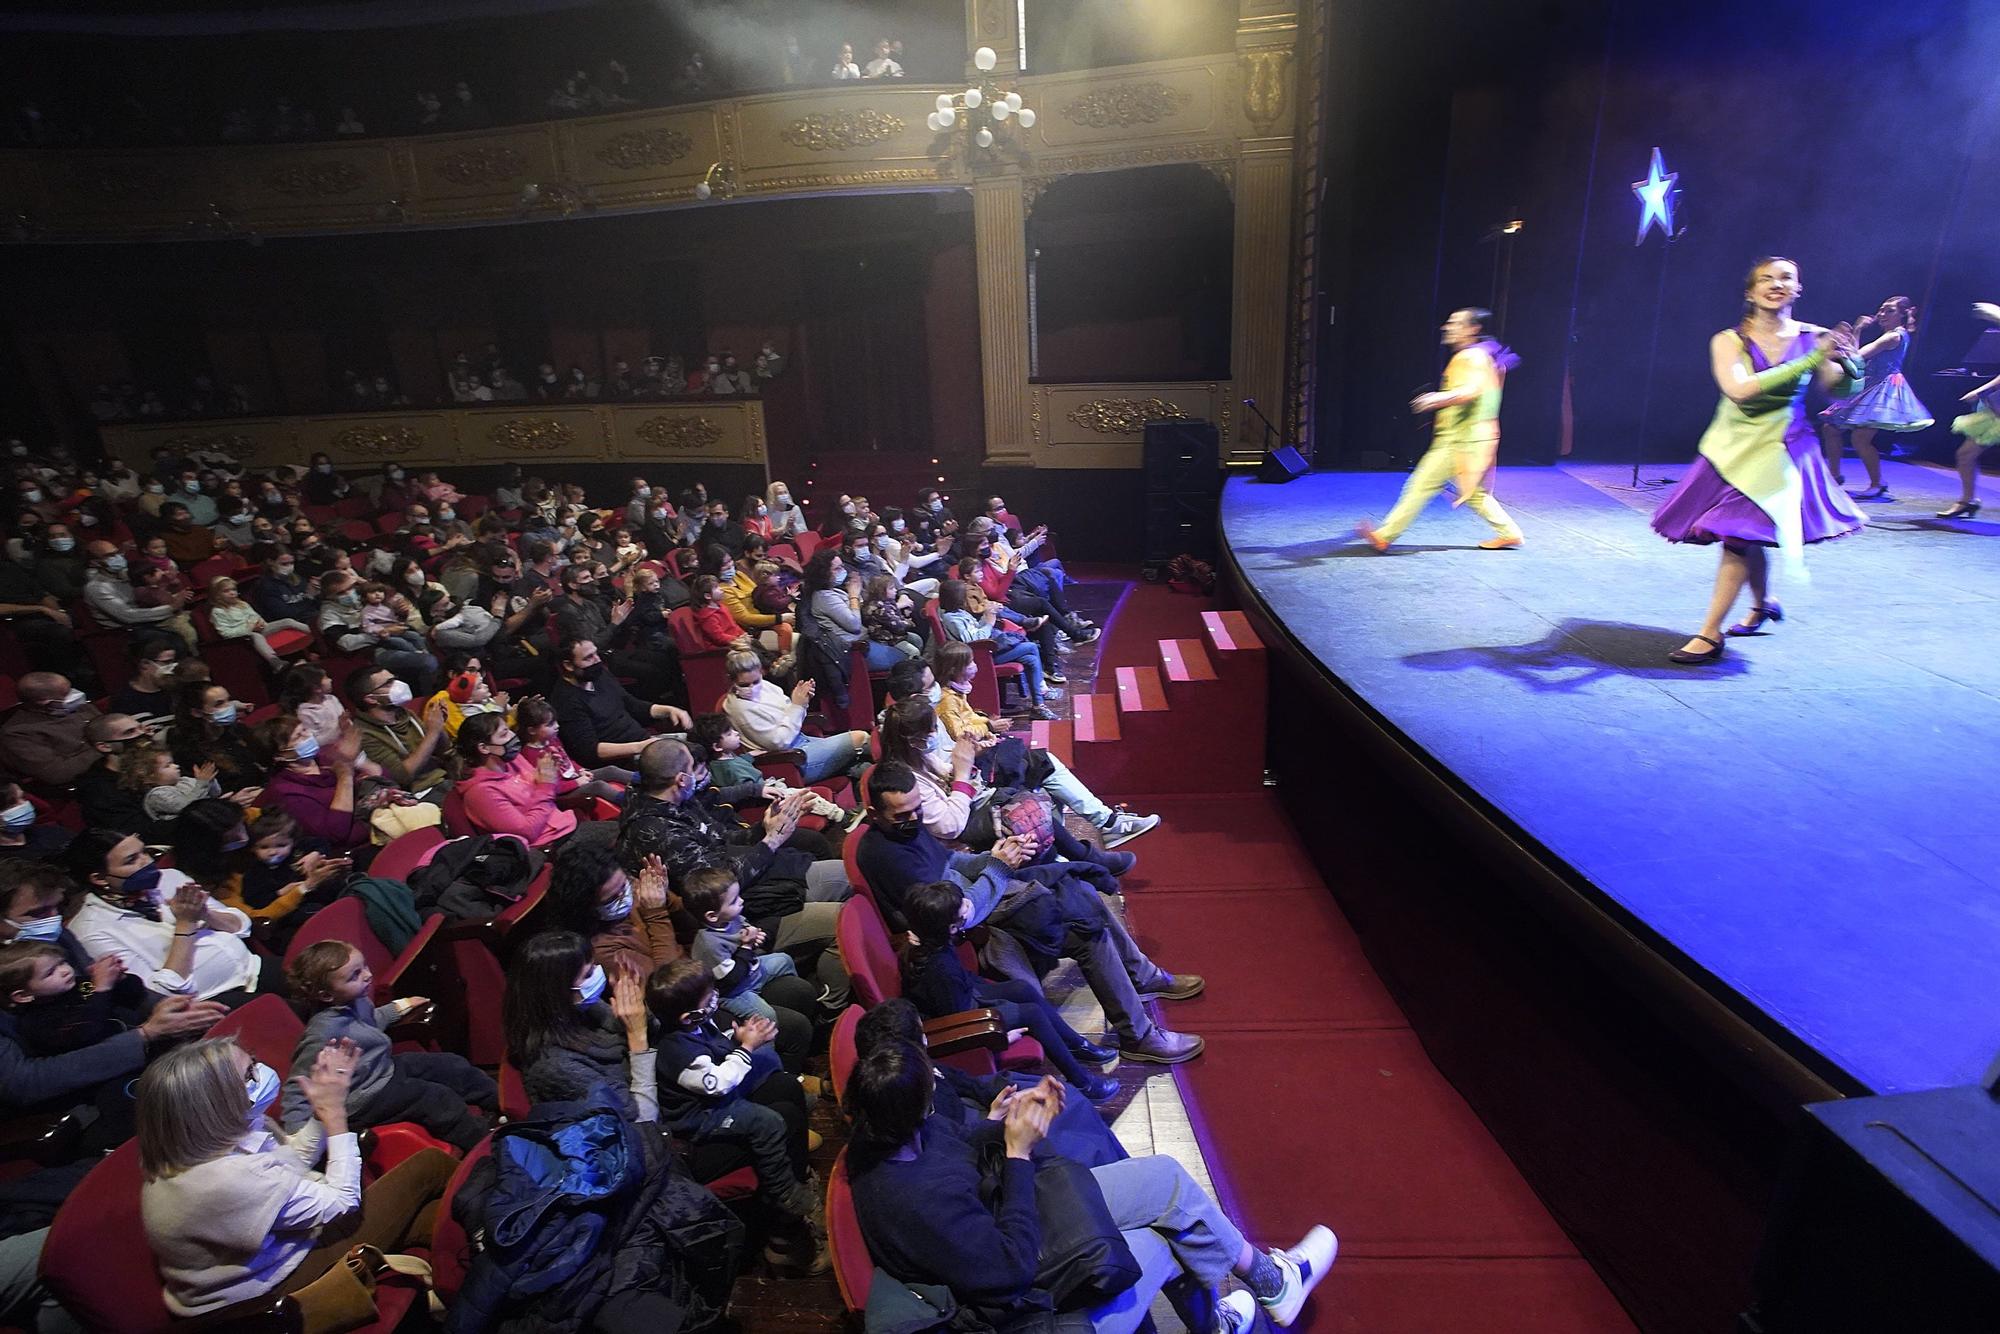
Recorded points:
1053,679
855,819
1044,713
799,1261
1161,1047
1090,636
1303,1266
1126,826
800,1200
1236,1313
1175,986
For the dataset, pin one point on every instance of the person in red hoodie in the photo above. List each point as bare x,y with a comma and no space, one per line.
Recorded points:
718,629
499,799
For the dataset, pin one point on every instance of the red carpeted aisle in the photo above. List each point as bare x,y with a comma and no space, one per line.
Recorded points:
1314,1101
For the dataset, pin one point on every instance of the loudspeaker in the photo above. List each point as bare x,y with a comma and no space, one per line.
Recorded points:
1282,464
1183,457
1180,525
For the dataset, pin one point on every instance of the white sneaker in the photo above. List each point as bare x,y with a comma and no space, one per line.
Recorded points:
1126,826
1236,1313
1303,1266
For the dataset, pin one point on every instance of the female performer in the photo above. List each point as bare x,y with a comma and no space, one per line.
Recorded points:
1886,403
1980,427
1758,481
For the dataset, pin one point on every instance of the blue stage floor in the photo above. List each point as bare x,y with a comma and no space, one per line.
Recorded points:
1812,821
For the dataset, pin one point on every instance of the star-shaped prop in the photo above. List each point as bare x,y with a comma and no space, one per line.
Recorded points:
1656,199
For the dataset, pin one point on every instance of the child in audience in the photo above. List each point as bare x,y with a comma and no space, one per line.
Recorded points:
535,723
718,629
153,556
429,1088
467,694
235,618
390,628
728,945
773,595
282,872
726,1090
719,745
148,771
151,587
54,1010
938,983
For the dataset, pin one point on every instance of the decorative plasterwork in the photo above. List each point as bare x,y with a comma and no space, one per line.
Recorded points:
1264,84
539,435
678,433
1123,105
634,150
235,445
842,130
488,164
314,180
385,442
1124,416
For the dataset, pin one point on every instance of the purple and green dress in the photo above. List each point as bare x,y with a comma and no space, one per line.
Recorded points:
1759,476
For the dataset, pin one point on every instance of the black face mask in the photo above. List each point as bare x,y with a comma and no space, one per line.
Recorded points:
905,831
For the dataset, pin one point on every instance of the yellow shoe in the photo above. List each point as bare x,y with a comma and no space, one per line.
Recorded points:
1366,532
813,1140
1500,544
814,1086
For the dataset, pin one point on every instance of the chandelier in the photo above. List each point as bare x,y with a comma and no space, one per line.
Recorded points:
1000,106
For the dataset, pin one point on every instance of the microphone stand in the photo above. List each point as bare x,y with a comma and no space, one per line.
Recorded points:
1269,429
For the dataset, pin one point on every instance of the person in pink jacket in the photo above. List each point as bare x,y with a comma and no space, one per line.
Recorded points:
499,799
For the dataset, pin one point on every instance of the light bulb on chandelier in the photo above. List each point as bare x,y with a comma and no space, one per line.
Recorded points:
984,59
984,138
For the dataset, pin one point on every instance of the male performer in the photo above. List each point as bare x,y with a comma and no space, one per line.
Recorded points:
1465,437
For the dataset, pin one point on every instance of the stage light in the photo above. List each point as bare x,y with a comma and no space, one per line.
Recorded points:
1656,199
1512,228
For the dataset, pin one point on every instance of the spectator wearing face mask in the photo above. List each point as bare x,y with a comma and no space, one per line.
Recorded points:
61,566
148,693
395,496
406,749
44,740
162,925
787,519
322,485
208,728
108,590
281,593
23,837
190,492
100,789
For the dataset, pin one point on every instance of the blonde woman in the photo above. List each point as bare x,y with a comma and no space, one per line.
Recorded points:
233,1207
787,519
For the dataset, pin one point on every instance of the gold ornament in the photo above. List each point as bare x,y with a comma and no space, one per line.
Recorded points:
1124,416
1264,85
1123,105
317,179
634,149
538,435
842,129
679,433
233,443
488,164
377,442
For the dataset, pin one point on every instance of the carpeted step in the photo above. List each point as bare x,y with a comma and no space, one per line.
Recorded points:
1185,660
1096,718
1230,632
1140,690
1058,738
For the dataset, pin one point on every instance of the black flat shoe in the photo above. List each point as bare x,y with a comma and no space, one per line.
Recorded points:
1687,659
1963,509
1770,611
1093,1053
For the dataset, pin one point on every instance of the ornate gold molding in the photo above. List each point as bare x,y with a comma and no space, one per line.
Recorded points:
121,180
1149,155
1264,84
486,164
679,433
378,442
233,443
1124,416
314,180
842,130
1124,105
536,435
632,150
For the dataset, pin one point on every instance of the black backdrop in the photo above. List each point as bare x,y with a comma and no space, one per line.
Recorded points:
1862,139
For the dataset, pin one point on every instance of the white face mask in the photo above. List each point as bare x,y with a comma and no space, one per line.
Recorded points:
263,1086
934,694
591,989
399,693
618,909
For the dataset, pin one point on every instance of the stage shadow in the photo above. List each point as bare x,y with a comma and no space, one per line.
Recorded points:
1932,524
1304,555
1577,653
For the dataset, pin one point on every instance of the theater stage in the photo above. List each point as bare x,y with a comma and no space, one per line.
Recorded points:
1808,829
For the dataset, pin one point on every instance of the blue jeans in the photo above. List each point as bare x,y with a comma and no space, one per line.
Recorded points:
1030,658
1178,1234
827,755
747,1004
881,657
419,669
1022,1006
